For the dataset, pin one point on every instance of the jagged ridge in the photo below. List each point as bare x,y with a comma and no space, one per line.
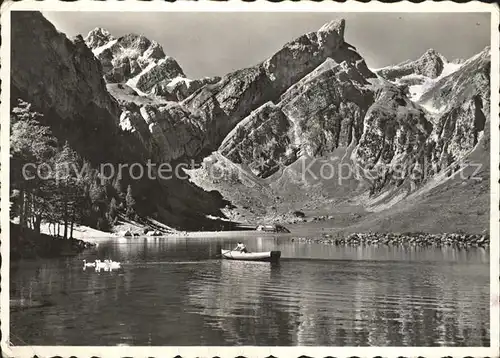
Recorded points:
313,97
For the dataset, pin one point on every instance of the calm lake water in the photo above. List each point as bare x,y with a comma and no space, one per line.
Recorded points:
176,291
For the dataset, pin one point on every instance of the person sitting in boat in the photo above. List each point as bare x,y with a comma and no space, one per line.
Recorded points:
241,247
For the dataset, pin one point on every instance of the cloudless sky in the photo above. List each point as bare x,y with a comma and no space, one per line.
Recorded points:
208,44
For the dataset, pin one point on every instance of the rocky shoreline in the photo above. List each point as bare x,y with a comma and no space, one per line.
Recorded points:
403,239
49,248
32,246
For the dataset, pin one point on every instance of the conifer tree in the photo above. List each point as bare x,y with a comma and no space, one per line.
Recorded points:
130,201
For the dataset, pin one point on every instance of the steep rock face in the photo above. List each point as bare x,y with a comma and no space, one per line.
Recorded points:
327,107
430,64
219,107
65,80
164,70
227,102
168,131
216,105
319,113
98,38
180,88
330,108
472,78
418,77
83,84
460,104
397,140
142,63
457,102
397,144
173,130
264,141
132,58
235,95
393,128
393,144
300,56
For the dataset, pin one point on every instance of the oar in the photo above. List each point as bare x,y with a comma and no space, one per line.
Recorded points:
219,249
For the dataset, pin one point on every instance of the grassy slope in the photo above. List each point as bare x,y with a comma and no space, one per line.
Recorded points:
314,195
266,200
252,198
444,204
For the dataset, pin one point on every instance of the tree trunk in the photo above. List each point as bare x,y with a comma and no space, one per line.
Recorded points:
37,223
27,206
32,211
65,221
21,212
72,224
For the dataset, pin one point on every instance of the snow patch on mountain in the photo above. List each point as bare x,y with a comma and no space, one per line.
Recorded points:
177,80
421,75
133,81
98,37
432,110
449,68
97,51
418,84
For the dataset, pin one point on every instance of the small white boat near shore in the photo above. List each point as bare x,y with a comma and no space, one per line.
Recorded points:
251,256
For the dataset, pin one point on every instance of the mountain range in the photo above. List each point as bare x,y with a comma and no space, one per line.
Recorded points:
422,126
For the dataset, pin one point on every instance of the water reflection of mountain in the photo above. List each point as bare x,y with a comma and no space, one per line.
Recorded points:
156,248
176,292
349,304
235,300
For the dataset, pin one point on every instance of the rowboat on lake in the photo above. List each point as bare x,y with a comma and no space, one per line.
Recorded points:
251,256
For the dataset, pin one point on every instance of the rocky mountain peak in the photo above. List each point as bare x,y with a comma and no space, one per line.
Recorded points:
433,55
65,78
98,37
458,61
431,52
141,46
485,52
431,64
300,56
132,58
332,33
